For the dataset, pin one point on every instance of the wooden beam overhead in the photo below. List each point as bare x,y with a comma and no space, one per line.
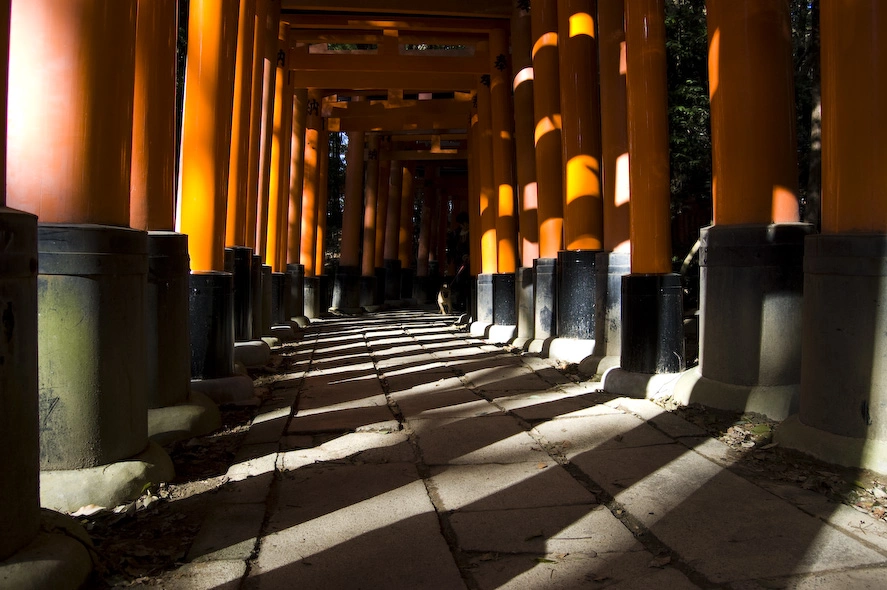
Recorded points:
406,109
401,64
389,23
429,81
460,8
393,123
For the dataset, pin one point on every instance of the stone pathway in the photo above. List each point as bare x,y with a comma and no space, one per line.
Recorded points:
397,453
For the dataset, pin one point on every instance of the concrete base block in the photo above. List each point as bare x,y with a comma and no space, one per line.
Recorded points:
252,353
237,389
521,343
540,345
57,558
105,485
480,329
283,332
301,321
343,311
618,381
501,334
571,350
595,366
776,402
196,417
373,308
833,448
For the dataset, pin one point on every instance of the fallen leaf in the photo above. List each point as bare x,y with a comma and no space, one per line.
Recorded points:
660,561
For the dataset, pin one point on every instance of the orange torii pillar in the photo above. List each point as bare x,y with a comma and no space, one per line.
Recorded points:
486,211
206,153
652,328
279,187
368,287
310,200
25,541
502,136
68,162
295,269
549,167
238,175
751,259
580,288
525,156
405,253
391,260
346,283
843,398
616,187
381,219
467,275
174,411
325,289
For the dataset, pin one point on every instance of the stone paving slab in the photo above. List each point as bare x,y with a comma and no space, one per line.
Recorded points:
346,526
719,523
453,403
486,439
575,436
669,423
229,532
418,383
344,396
357,447
614,571
864,579
218,575
548,405
500,487
367,418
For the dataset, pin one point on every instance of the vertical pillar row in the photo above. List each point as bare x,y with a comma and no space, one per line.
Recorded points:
346,290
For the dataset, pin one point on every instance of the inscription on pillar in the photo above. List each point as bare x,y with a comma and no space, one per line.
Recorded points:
485,80
281,59
501,62
313,107
524,5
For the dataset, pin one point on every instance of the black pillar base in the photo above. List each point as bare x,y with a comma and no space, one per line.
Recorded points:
525,294
652,323
257,295
278,298
297,290
312,297
504,304
545,298
407,278
368,288
484,299
211,305
381,280
392,280
579,294
267,300
346,290
243,293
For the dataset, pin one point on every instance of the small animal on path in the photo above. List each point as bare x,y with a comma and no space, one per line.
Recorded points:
443,300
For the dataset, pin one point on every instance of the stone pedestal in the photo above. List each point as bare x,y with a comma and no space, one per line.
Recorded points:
257,298
243,293
92,385
544,303
842,415
212,325
525,293
381,279
483,318
267,300
392,280
580,304
368,289
279,296
297,290
346,290
611,267
504,325
313,297
407,278
751,296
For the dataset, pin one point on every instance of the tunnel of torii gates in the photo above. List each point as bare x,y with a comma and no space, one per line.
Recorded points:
546,125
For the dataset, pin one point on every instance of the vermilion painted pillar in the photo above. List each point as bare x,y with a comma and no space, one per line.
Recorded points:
297,175
488,201
323,155
580,106
474,196
405,253
152,186
240,128
651,296
525,157
371,206
842,407
269,91
382,204
310,186
502,125
614,125
547,134
392,231
752,256
648,136
346,284
279,170
261,31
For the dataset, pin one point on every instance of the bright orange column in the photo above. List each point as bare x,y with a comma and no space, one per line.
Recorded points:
580,107
260,34
297,176
351,212
152,185
269,95
754,153
488,201
474,197
310,185
69,125
502,122
853,91
405,228
279,172
547,133
524,145
371,195
648,137
382,203
323,153
206,134
392,217
238,172
614,129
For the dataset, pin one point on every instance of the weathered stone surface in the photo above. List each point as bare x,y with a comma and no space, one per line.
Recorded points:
487,439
